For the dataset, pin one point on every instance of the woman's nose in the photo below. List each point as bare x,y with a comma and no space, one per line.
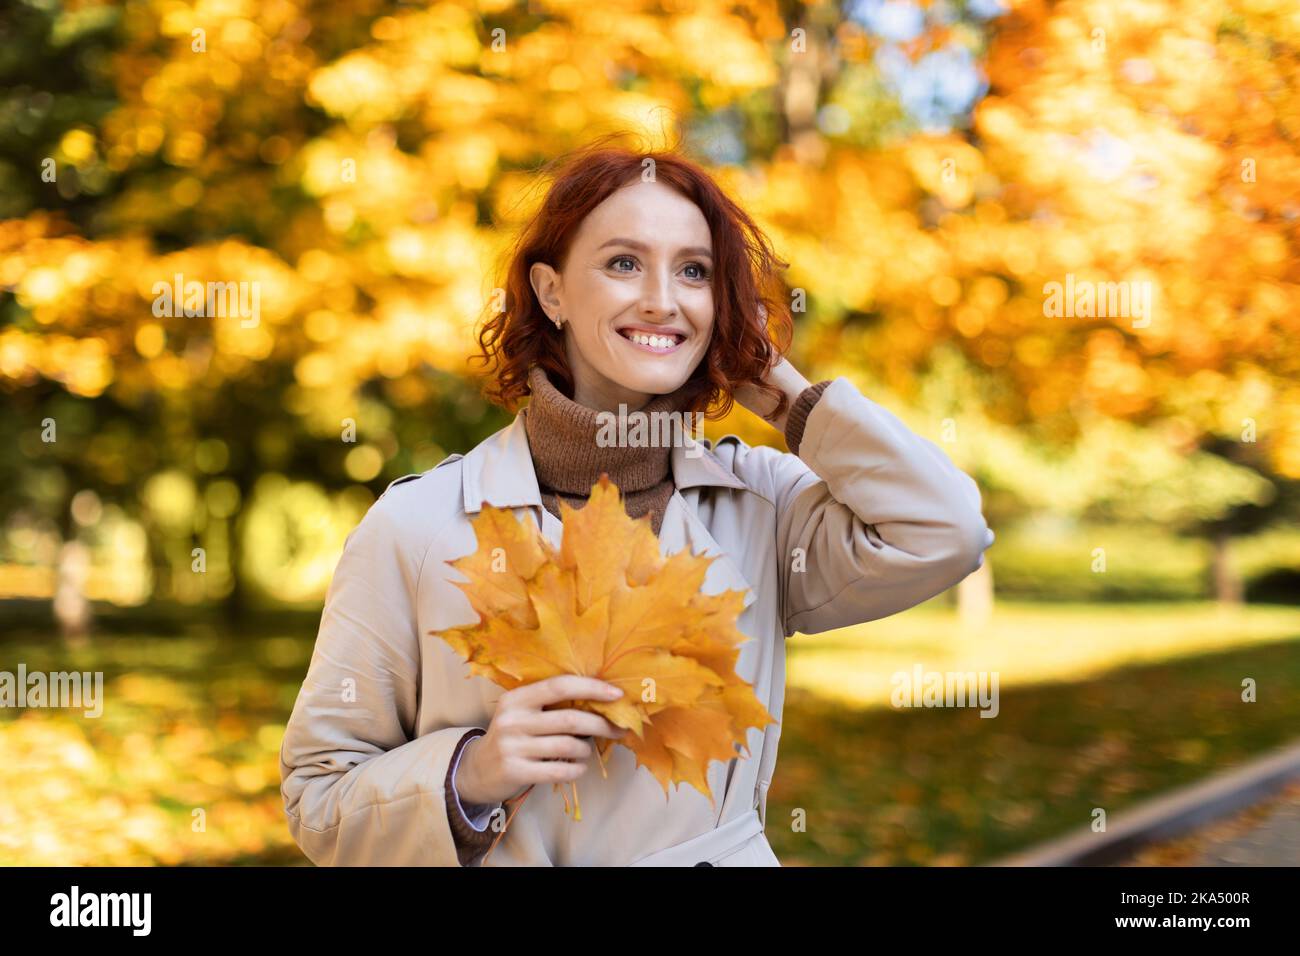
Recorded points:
657,294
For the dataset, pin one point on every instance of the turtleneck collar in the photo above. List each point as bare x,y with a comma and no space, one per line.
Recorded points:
562,436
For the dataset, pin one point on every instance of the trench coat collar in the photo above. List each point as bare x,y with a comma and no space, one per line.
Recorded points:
499,471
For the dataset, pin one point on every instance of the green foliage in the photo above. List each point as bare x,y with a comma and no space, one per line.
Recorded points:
1141,563
1053,560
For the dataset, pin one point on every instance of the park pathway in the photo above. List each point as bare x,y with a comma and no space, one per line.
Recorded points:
1266,834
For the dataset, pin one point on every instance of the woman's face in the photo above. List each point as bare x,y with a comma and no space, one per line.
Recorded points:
640,264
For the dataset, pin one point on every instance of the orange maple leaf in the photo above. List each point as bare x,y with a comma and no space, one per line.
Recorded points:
608,605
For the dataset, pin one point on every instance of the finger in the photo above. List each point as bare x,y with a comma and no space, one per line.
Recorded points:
562,687
554,771
556,747
579,723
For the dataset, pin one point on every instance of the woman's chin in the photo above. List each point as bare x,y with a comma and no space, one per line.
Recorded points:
652,381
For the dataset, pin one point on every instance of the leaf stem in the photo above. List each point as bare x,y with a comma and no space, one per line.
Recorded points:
513,810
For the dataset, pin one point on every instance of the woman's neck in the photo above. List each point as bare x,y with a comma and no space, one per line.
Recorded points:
573,443
595,391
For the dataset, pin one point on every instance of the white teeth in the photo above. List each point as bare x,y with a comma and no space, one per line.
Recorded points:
654,341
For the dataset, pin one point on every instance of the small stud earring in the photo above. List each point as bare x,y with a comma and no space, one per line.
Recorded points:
559,321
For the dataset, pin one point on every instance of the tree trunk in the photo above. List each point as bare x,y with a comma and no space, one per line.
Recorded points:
807,72
1227,583
71,608
975,597
235,606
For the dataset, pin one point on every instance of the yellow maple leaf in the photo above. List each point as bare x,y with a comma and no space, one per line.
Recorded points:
609,605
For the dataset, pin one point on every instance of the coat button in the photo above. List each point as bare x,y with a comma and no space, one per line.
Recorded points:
704,863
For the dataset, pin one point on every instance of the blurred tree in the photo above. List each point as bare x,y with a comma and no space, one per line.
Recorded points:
331,190
1134,151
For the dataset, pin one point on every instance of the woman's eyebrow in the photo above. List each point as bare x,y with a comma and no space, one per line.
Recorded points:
642,247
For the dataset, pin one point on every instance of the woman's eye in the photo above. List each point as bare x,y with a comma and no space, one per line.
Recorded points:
700,271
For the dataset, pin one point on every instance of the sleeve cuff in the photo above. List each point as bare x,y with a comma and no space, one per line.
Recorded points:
483,812
798,418
470,834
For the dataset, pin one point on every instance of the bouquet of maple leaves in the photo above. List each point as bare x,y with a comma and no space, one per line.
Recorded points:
608,605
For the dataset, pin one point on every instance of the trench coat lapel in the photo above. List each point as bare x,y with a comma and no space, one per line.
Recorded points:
499,471
681,525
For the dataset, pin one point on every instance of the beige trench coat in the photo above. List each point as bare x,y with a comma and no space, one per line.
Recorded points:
883,518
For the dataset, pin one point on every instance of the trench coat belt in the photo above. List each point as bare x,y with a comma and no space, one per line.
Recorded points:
708,846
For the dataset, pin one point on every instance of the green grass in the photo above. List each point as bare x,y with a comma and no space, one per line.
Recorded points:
884,786
1099,706
1024,643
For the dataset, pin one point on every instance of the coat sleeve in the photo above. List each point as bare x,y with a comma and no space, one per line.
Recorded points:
871,518
359,788
472,837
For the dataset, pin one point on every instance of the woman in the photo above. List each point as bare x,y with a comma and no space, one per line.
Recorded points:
637,284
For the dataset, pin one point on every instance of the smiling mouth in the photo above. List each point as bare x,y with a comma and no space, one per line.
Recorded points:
654,344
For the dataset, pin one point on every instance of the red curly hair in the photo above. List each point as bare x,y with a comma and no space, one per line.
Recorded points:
749,299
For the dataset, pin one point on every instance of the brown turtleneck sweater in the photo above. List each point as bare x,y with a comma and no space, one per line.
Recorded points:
568,460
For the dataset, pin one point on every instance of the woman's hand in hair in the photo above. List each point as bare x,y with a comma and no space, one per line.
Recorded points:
781,374
785,377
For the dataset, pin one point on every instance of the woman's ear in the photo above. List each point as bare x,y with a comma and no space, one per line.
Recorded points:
546,286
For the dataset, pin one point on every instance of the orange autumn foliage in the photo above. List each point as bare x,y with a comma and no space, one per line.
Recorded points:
608,605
